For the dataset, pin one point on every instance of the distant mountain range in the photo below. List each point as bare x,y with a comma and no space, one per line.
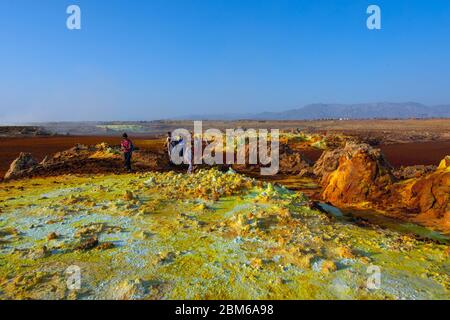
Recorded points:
382,110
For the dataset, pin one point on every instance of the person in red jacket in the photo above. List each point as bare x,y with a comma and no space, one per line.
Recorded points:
127,148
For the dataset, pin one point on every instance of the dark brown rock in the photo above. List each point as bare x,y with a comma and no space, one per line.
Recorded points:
24,162
87,244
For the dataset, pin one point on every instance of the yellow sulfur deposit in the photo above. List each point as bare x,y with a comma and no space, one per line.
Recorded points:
209,235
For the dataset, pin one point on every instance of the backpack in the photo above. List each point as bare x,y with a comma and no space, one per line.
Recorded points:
130,146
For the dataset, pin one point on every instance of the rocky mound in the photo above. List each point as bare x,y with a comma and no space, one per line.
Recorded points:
290,162
359,176
410,172
429,197
21,165
357,173
327,163
293,162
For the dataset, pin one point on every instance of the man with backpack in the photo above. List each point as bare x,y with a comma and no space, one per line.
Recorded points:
127,148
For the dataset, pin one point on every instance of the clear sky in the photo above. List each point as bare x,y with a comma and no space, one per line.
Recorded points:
144,60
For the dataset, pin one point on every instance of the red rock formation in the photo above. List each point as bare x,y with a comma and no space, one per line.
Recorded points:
359,176
327,163
290,162
293,162
355,174
429,197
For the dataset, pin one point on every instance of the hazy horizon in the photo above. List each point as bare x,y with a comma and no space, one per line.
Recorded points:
231,116
171,58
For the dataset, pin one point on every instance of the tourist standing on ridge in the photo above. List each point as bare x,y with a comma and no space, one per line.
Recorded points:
169,146
127,148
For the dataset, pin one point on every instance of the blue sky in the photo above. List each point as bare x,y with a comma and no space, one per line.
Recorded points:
143,60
